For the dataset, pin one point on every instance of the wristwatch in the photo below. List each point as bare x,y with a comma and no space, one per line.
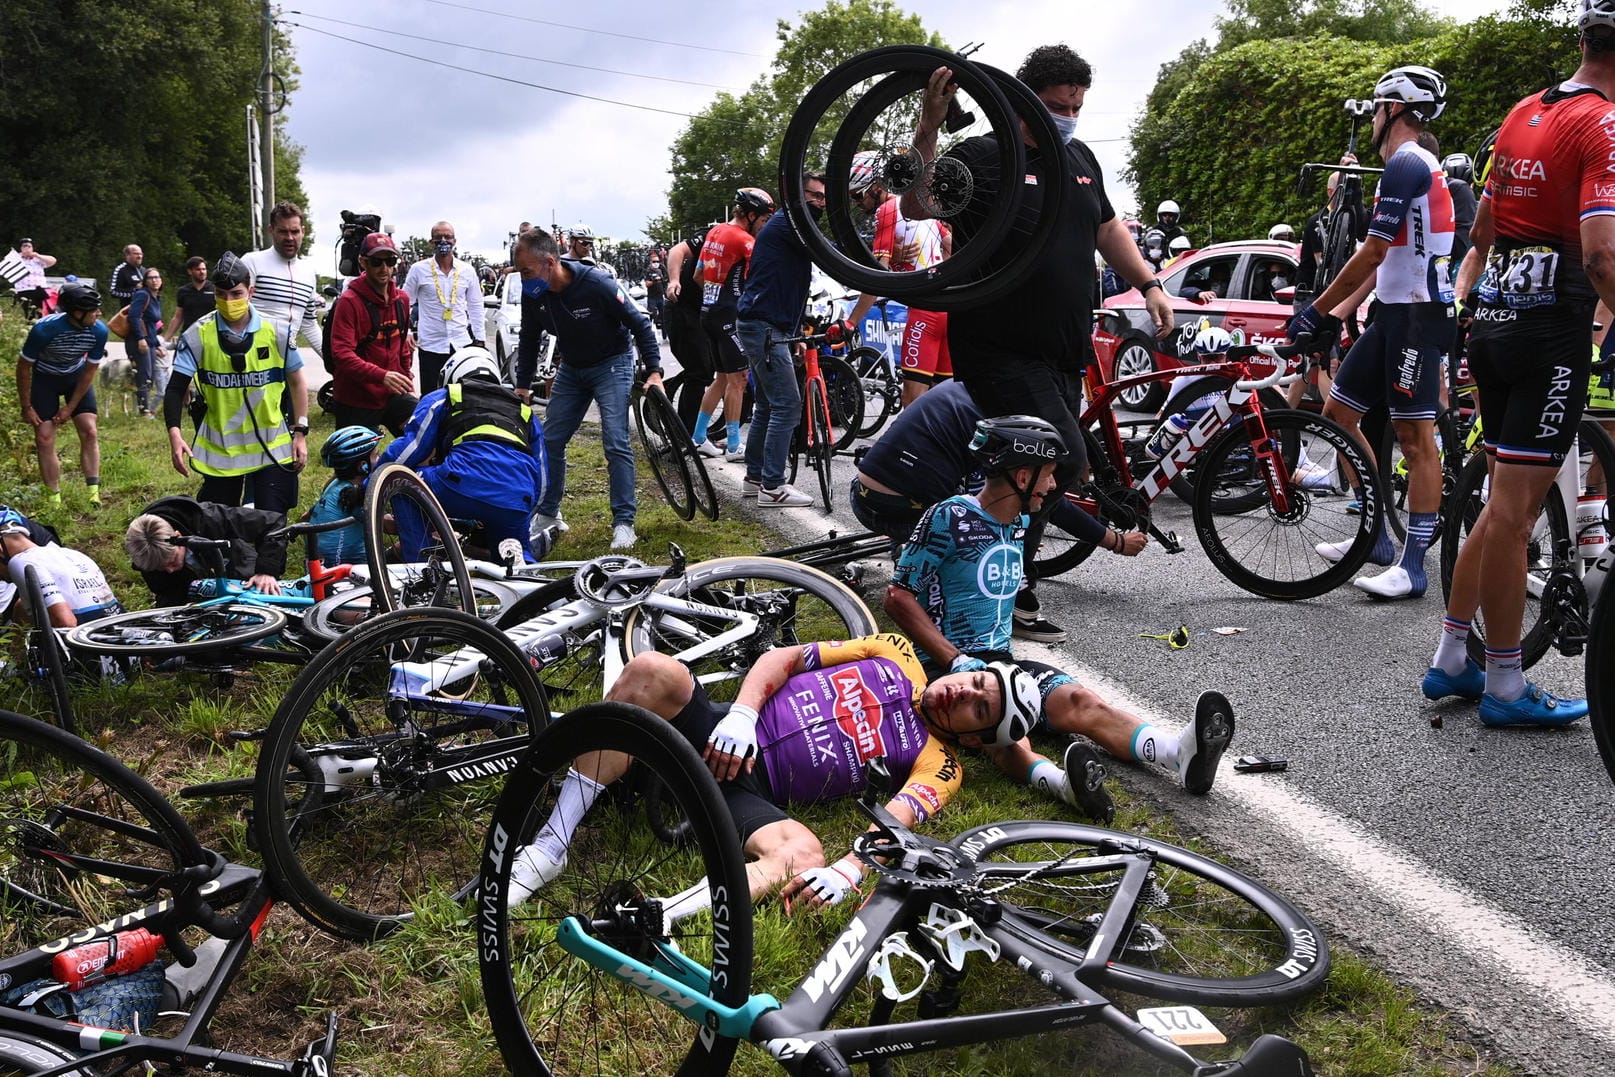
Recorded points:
1147,285
300,427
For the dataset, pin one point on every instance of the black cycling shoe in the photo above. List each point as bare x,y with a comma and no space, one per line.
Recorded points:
1085,776
1204,741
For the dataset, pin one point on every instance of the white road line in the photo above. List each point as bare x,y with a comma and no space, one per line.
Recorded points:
1567,981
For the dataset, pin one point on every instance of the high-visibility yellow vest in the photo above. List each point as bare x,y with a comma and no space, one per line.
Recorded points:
245,429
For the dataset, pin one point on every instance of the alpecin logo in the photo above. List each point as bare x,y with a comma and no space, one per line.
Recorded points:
857,713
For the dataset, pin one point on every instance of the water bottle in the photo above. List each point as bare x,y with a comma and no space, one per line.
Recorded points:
115,955
1165,435
1592,535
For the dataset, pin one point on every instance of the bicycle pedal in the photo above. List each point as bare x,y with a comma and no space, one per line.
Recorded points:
1169,542
239,736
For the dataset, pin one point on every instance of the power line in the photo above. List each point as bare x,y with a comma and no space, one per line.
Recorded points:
591,30
491,75
512,55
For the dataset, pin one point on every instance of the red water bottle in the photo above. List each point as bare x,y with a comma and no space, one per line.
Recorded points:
124,952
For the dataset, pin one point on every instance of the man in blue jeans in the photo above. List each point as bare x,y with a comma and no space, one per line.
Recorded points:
771,307
597,328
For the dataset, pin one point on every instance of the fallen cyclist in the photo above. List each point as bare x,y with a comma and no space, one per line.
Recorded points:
953,593
780,743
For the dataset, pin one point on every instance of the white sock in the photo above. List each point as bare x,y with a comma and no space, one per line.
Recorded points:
1452,651
687,903
1051,781
1149,746
572,803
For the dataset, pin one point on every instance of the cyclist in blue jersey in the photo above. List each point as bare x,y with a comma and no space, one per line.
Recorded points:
56,384
1396,363
953,593
349,453
805,722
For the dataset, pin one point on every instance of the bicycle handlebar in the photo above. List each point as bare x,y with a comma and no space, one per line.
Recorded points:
197,542
308,527
1280,354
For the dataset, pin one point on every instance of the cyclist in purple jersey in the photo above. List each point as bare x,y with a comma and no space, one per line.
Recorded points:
806,721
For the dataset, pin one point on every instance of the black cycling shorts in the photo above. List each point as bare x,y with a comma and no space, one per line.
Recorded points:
892,515
728,355
49,392
749,797
1396,363
1531,368
688,339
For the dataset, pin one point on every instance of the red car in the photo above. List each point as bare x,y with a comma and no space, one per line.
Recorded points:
1242,276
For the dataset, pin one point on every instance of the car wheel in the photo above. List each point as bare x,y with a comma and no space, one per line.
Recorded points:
1134,356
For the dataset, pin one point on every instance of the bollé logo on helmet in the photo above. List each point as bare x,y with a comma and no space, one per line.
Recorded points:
1034,448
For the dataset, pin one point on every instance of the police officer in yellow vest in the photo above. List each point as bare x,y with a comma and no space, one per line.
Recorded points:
249,375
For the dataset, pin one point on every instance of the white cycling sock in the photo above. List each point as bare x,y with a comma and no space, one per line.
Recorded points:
572,803
1051,781
1453,649
1150,746
686,903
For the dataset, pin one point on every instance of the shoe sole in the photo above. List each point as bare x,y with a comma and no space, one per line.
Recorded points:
1086,775
1450,693
1032,635
1495,722
1213,730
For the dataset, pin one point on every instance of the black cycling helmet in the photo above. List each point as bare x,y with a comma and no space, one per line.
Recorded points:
75,297
754,200
230,271
347,452
1002,444
1483,158
1458,166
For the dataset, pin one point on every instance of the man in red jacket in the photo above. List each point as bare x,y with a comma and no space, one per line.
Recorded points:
372,383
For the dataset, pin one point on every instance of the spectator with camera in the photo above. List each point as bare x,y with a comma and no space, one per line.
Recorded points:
371,359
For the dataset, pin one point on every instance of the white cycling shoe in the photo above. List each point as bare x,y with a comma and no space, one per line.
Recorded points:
1334,551
1393,583
531,872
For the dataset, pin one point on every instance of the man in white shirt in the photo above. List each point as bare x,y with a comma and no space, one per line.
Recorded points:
285,289
73,586
447,301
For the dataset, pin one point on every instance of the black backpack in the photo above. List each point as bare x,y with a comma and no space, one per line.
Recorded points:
400,322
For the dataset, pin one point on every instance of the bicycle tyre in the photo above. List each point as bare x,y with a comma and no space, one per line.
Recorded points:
390,818
396,485
1396,486
190,630
726,582
1600,675
844,393
667,464
1291,538
81,841
853,263
1202,933
870,365
820,447
44,652
334,617
1061,550
1338,238
21,1054
701,490
547,1008
1183,483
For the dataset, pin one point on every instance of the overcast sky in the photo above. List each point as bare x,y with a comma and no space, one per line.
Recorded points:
418,141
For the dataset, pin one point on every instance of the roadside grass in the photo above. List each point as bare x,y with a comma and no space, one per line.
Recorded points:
411,1005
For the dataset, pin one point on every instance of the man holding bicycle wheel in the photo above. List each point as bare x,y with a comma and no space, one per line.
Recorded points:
953,591
1543,254
806,721
1027,351
1396,363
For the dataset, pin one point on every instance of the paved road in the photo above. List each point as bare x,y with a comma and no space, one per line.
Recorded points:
1475,864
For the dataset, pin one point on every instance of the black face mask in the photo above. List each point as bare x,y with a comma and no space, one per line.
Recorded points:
815,211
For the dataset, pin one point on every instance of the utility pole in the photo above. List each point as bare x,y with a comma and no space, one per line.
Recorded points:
266,114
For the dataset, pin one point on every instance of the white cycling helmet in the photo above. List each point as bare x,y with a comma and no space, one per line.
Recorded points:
1022,704
1282,232
1166,207
1422,89
1596,13
1212,340
468,363
1179,244
862,175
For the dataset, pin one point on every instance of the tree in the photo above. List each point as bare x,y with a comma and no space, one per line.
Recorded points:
1234,167
734,142
125,122
1383,21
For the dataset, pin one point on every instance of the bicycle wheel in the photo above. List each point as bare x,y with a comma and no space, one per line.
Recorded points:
334,617
1552,587
878,390
554,1013
1236,492
1199,932
432,576
661,440
83,839
170,631
1268,552
571,669
1339,240
1393,473
1062,548
45,653
21,1054
695,466
845,395
382,763
794,604
820,440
